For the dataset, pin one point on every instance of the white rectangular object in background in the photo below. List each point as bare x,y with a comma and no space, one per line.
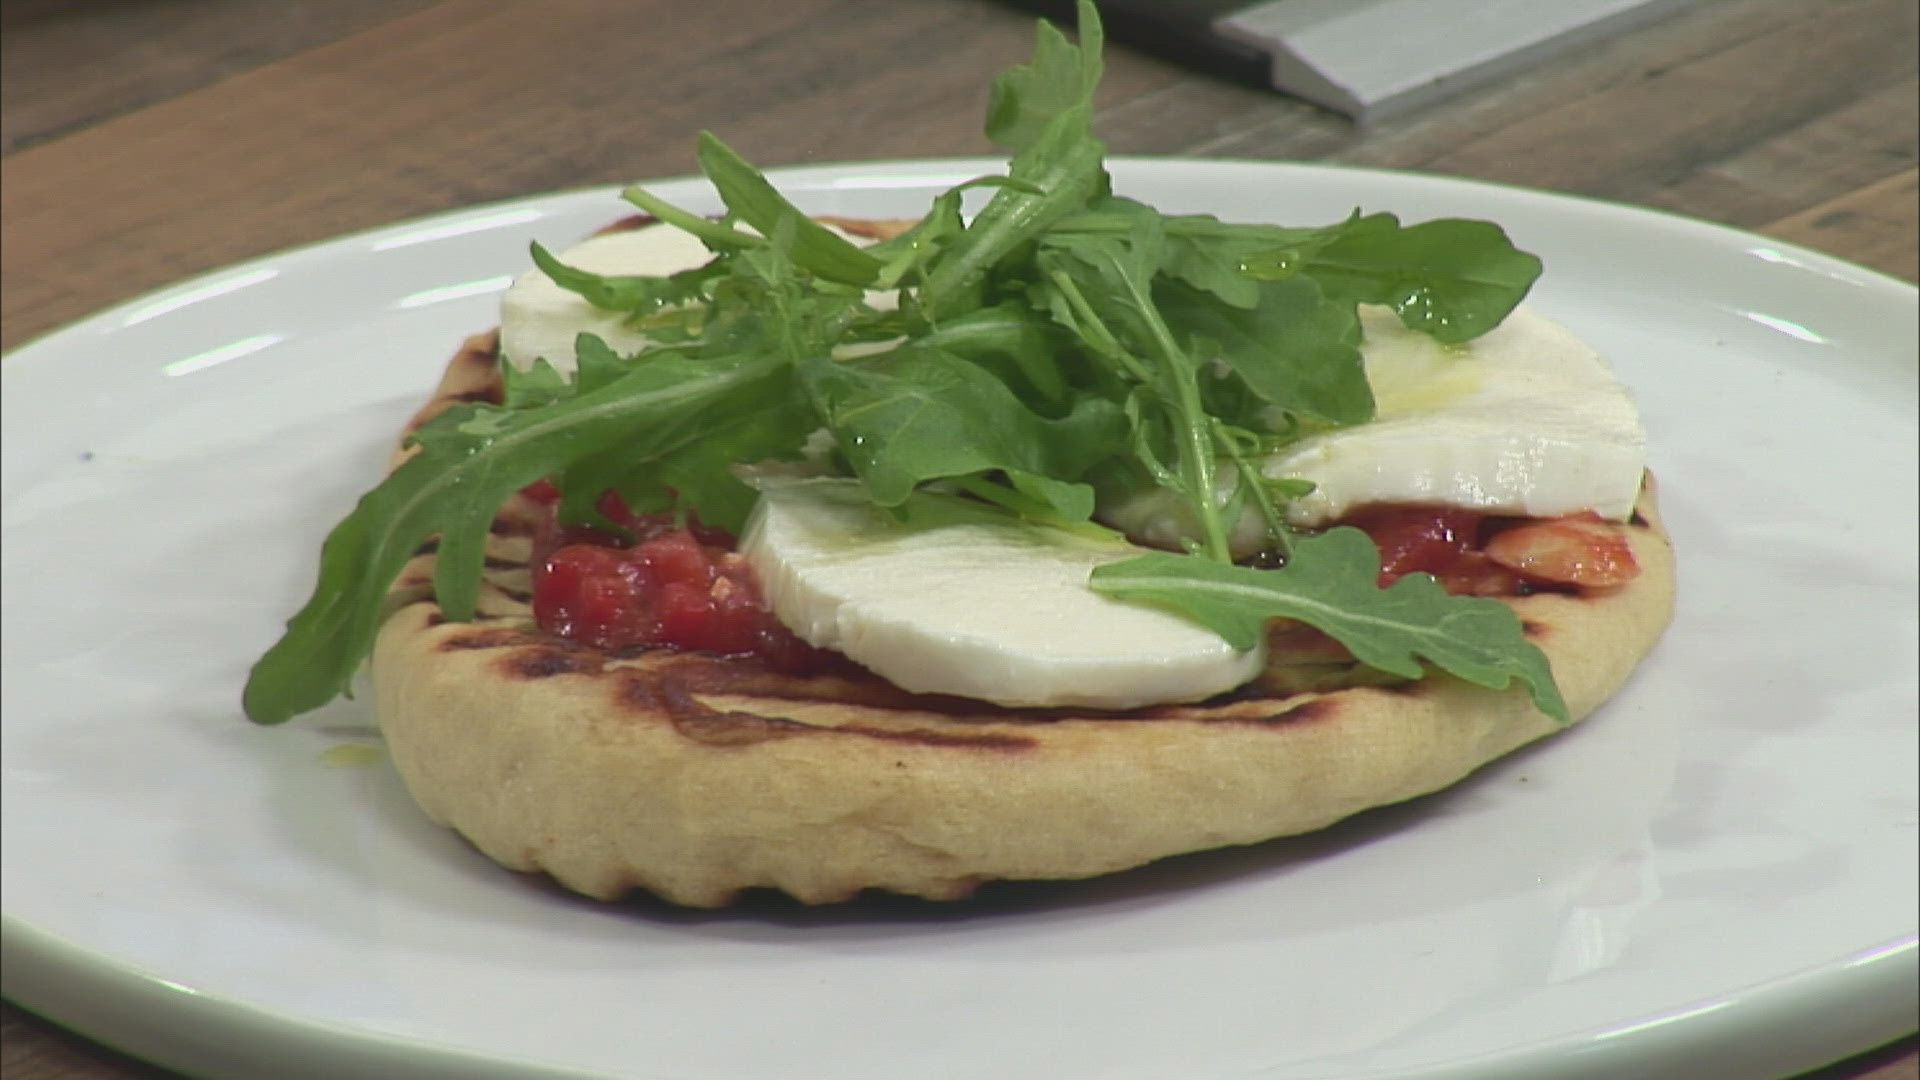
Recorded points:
1369,58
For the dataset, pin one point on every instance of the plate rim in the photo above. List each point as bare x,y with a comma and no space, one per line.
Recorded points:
1886,974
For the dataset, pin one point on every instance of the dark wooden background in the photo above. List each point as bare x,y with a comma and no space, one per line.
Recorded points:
145,140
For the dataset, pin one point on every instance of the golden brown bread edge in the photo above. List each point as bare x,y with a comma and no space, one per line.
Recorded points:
695,777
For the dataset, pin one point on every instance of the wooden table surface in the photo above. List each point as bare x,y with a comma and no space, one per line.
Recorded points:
147,140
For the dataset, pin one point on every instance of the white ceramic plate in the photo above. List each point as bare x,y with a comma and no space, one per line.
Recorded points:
1714,876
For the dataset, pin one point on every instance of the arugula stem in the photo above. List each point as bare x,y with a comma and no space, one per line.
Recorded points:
1096,222
1054,176
1100,337
1197,462
1026,507
1197,435
1194,441
1251,483
713,232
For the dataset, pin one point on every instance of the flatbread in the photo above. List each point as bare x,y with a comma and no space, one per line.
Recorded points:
695,776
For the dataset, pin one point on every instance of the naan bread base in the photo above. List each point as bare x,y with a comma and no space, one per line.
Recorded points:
695,777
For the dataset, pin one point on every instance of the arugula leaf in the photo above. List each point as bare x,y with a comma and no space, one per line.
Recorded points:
905,257
814,247
1062,171
597,365
1450,278
1201,250
470,460
1069,504
637,294
1116,214
1102,288
539,383
1293,347
1010,340
919,414
1226,259
764,304
1058,167
1031,498
1329,584
700,476
1061,75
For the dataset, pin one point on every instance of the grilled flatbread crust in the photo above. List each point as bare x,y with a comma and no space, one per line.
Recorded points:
695,776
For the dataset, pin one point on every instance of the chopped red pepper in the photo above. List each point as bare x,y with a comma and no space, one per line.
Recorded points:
1578,549
1413,539
666,585
1472,555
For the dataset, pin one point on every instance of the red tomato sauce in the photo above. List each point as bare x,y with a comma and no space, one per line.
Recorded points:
665,584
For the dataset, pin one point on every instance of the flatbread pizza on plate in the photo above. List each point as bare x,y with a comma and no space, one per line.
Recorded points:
1039,537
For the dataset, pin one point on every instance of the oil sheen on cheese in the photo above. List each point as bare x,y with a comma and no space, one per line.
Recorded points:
978,607
1524,420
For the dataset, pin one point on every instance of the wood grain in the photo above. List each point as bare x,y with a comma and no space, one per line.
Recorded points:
147,140
1874,225
146,52
468,101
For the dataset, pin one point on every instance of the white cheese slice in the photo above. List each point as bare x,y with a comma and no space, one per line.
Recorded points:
978,607
540,319
1524,420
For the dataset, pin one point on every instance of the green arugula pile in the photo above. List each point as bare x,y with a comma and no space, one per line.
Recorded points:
1060,340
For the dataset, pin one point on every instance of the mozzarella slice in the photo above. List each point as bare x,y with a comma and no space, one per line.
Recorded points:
540,319
1524,420
978,607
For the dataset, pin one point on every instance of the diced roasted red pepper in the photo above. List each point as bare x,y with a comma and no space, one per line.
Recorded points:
1516,556
1578,549
1413,539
